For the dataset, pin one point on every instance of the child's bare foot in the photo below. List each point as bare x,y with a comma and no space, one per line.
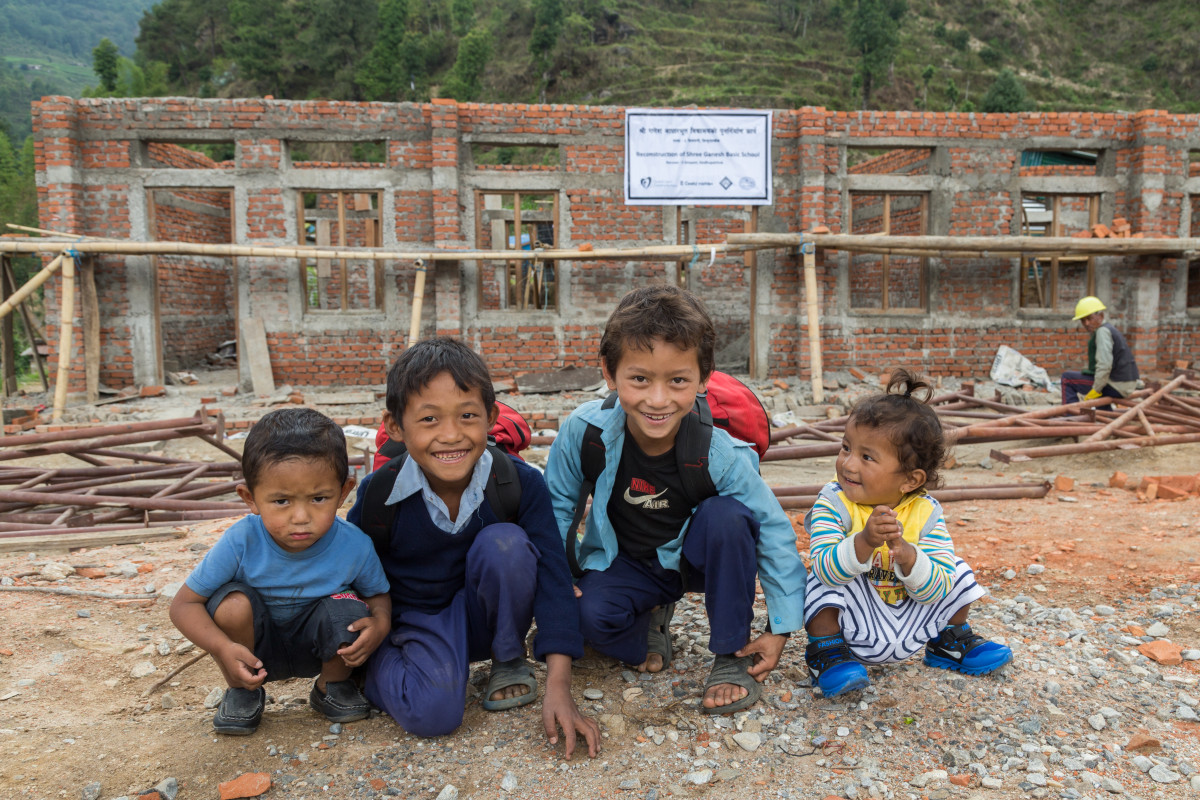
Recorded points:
653,663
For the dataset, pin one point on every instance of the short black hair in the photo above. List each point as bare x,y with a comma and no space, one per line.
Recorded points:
294,433
425,360
910,424
662,312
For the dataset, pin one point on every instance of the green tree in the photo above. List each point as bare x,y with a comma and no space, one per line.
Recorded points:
926,76
474,52
262,43
874,33
547,25
389,69
105,57
953,95
1005,95
463,14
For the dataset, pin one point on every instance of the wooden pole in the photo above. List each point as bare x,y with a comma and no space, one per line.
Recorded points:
9,354
32,332
30,286
751,261
91,329
66,334
814,322
341,211
414,325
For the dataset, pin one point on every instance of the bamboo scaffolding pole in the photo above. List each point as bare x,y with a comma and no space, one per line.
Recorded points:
1149,401
32,332
1040,246
662,252
814,323
30,285
65,339
414,325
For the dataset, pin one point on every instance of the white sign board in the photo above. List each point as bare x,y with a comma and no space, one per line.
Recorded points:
697,157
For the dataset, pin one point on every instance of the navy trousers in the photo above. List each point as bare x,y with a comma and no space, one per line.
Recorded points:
419,674
1076,384
718,559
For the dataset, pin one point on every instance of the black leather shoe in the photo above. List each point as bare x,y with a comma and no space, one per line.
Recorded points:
240,711
340,702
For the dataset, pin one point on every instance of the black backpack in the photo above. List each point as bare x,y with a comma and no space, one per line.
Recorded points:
502,491
691,452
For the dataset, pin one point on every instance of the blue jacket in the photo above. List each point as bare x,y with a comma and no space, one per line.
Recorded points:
733,466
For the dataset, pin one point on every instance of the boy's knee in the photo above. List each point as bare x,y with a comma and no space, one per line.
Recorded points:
503,546
600,616
726,517
234,609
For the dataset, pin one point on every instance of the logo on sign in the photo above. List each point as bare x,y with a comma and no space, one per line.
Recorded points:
726,183
645,182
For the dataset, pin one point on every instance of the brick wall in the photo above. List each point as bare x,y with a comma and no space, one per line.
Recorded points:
97,156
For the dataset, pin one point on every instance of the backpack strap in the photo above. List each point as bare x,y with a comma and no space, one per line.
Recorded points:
592,453
377,515
503,488
502,492
691,453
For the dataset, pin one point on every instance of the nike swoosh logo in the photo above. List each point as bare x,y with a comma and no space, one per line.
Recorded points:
643,499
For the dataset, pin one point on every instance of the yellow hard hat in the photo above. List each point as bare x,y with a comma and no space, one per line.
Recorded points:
1088,306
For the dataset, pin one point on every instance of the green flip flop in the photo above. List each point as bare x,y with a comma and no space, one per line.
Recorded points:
517,672
731,669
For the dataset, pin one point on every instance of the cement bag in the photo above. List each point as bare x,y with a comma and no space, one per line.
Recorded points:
1010,368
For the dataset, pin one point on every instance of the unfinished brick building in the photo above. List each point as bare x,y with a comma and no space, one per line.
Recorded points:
464,175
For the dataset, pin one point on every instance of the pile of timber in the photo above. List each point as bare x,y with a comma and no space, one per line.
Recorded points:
115,487
1157,415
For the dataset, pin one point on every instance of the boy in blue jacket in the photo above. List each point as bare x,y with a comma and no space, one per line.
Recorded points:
644,545
466,584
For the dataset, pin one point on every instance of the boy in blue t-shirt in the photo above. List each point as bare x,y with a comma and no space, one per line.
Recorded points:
290,590
466,583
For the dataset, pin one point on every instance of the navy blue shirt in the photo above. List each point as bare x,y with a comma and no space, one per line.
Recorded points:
426,566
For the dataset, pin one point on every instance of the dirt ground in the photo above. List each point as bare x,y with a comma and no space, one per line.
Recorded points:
71,712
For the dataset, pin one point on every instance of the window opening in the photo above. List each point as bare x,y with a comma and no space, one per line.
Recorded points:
888,161
518,221
1052,281
191,155
342,154
1059,162
888,280
341,219
515,156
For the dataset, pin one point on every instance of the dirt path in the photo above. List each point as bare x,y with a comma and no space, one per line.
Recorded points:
71,712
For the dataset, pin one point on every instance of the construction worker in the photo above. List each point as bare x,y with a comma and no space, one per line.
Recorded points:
1111,370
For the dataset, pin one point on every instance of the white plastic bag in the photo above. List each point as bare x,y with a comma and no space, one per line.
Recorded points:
1010,368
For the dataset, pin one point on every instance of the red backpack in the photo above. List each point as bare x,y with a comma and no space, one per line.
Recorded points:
728,403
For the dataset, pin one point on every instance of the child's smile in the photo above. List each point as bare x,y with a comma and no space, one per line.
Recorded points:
869,469
656,386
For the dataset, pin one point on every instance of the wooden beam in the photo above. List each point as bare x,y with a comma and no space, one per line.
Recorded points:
8,350
91,329
66,337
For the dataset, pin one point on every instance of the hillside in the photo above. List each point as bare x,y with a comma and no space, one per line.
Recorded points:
46,48
1068,54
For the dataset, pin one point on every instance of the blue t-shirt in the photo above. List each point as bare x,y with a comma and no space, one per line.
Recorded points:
342,559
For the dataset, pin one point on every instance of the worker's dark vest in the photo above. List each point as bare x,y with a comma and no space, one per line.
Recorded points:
1123,368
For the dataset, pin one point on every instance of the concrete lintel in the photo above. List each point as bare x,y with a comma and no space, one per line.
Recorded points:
514,182
892,183
539,139
445,179
884,142
316,322
1075,184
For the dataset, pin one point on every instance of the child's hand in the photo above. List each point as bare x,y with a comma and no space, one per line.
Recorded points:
242,667
882,527
578,592
371,632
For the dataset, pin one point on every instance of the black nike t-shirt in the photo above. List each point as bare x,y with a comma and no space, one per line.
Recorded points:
647,508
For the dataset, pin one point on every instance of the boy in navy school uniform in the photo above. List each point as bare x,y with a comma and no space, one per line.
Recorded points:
278,596
643,545
465,585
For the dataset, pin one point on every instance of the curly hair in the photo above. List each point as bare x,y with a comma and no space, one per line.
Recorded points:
910,424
